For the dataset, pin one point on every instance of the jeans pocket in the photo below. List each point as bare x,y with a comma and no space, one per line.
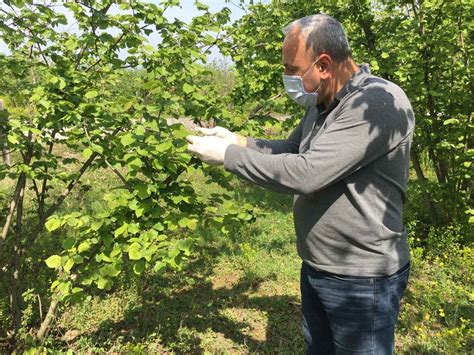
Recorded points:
398,284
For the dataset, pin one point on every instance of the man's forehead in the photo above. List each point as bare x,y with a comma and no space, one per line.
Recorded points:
294,47
293,38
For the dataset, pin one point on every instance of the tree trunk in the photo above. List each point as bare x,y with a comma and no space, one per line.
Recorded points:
439,164
13,206
46,324
15,290
427,199
3,137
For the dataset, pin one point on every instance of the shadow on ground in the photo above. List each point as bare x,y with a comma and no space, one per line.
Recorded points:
170,306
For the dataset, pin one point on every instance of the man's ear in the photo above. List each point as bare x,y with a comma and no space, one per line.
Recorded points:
324,66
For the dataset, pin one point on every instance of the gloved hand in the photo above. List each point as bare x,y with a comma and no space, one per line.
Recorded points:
210,150
225,134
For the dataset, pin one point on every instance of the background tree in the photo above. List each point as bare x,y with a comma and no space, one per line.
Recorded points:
64,85
421,46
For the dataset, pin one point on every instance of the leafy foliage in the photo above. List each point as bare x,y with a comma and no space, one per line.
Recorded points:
72,98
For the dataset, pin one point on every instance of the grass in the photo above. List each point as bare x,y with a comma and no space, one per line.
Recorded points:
240,294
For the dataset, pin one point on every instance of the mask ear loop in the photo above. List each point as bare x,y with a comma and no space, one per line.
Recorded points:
319,87
310,67
320,83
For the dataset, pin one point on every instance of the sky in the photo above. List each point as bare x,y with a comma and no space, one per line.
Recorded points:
185,13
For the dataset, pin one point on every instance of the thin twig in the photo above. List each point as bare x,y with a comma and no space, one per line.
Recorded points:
35,188
108,51
45,179
120,176
40,306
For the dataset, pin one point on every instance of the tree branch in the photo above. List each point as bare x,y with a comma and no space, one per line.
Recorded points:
45,179
21,182
120,176
45,325
39,226
13,205
108,51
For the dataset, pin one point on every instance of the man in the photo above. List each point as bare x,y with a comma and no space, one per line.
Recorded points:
346,164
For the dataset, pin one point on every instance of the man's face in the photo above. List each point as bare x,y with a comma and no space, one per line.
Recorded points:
298,60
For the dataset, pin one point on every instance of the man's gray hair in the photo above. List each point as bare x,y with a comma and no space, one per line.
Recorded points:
323,34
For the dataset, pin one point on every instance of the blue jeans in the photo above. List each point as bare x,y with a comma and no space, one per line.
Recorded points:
350,315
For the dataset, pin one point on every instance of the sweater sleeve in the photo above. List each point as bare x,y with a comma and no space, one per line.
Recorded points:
368,126
277,146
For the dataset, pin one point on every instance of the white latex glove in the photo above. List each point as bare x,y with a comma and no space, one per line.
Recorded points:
210,150
224,133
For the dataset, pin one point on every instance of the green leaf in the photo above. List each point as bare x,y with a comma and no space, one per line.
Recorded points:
13,139
127,139
95,226
188,88
84,246
72,222
63,288
54,80
68,243
53,262
116,251
129,104
71,44
159,267
86,153
185,245
120,230
134,254
173,252
198,96
77,290
135,163
52,224
200,6
111,270
133,228
139,211
451,121
142,190
91,94
374,65
103,283
78,259
163,146
139,267
189,223
68,266
97,148
192,224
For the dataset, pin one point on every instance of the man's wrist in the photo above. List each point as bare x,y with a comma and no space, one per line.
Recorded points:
241,140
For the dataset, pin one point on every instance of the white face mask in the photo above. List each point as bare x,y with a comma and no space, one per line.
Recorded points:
295,89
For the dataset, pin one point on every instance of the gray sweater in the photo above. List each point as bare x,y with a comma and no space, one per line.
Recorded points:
347,167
